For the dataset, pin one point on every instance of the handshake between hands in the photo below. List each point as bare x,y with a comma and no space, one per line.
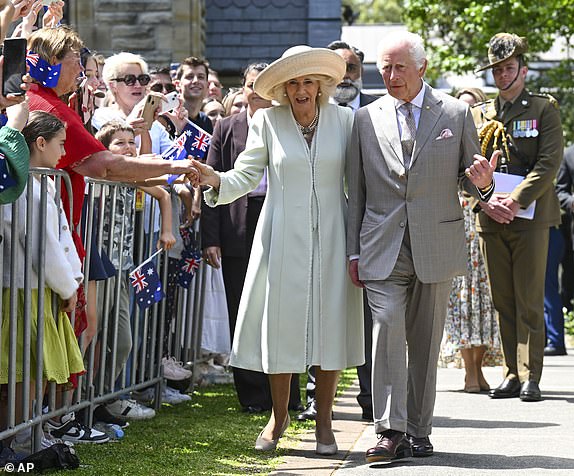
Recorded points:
202,174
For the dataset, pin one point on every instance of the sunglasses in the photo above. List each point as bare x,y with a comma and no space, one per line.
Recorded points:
162,88
130,79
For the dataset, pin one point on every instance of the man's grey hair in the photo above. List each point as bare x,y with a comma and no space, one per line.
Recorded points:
413,42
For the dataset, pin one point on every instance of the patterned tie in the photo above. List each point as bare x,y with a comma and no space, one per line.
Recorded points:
408,133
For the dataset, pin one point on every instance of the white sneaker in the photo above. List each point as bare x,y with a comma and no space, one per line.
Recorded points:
173,370
130,409
145,396
173,397
69,429
215,367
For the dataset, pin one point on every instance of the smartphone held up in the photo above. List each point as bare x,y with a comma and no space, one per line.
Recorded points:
152,103
14,66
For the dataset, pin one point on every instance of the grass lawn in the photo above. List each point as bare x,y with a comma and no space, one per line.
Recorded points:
207,436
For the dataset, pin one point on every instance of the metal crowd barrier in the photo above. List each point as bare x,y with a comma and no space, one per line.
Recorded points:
150,338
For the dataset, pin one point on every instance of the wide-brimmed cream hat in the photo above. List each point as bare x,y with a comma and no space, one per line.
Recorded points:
301,60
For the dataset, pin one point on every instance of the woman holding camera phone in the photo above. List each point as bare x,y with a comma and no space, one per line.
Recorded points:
126,76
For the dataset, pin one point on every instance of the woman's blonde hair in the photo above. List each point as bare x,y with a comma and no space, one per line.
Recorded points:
114,64
57,42
229,99
327,86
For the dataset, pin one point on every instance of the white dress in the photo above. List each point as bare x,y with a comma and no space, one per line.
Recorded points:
298,306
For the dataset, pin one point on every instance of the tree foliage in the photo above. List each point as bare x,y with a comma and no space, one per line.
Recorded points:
457,32
376,11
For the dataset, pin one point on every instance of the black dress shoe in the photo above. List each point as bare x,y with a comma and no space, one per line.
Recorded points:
509,388
392,445
551,350
310,413
420,446
530,392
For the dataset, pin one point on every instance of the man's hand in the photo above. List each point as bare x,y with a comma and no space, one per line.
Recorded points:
501,208
481,171
354,273
212,256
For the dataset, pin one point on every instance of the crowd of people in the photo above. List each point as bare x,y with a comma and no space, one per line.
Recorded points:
347,230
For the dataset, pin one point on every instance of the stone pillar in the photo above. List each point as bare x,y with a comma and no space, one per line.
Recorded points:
188,29
162,31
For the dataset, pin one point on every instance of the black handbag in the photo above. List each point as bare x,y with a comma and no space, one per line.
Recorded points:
57,456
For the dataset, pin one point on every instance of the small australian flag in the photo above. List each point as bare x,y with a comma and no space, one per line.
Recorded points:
43,71
6,180
188,265
193,141
145,280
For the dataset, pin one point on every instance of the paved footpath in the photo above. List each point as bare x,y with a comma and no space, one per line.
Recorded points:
472,435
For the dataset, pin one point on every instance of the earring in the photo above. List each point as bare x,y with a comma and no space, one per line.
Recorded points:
320,93
284,94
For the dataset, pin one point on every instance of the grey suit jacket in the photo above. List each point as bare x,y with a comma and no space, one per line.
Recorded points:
384,197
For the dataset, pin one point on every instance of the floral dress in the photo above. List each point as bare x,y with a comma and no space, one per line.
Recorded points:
471,317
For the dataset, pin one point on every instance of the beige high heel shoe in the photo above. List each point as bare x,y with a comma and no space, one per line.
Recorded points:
263,444
326,450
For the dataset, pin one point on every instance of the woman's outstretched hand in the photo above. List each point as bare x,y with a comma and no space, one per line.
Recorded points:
205,176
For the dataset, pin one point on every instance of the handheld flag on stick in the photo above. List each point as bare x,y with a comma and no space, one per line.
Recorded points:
190,257
146,283
193,141
188,265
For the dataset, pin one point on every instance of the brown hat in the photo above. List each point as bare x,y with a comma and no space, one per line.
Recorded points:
503,46
299,60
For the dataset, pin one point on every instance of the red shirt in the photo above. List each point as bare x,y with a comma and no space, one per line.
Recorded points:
79,145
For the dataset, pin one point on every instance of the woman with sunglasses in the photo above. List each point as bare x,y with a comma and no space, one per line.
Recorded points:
126,76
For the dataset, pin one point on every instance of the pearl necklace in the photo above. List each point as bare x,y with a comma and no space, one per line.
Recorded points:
308,130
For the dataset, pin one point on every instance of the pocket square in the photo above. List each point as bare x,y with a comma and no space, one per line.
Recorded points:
444,134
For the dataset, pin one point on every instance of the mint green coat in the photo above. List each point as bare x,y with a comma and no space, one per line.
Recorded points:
298,306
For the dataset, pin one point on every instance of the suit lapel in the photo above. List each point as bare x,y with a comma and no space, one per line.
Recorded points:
384,119
240,129
430,114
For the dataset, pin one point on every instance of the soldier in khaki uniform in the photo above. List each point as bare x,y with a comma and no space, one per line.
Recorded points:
527,128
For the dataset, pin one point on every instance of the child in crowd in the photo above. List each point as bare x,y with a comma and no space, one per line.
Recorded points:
45,135
119,138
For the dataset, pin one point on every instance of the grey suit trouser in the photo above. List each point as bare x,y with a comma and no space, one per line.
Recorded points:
406,314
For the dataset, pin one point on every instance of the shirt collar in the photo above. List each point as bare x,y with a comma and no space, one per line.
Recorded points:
355,103
417,101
